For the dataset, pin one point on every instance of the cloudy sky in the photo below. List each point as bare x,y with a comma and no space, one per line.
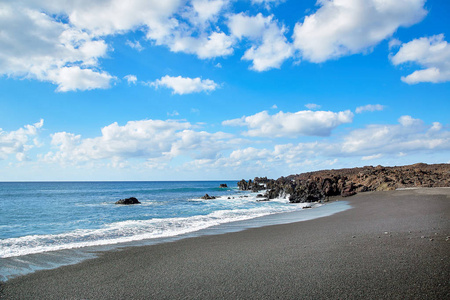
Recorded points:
220,89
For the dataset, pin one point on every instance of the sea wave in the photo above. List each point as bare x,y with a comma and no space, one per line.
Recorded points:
131,230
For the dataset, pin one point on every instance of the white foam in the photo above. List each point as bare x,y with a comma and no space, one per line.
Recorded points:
134,230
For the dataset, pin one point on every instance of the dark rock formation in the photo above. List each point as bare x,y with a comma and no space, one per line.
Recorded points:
314,186
128,201
223,185
208,197
254,186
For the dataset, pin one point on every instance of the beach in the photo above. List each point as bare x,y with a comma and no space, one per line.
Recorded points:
390,245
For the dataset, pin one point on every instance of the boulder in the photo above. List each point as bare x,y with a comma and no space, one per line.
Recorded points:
208,197
127,201
223,185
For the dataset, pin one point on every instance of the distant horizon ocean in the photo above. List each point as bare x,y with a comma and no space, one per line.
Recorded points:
47,224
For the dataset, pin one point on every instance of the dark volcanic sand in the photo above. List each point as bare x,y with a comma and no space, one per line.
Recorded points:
391,245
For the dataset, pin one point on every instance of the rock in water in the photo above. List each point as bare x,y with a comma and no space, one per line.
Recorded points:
208,197
223,185
131,200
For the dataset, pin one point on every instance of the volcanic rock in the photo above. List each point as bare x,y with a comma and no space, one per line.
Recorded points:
127,201
314,186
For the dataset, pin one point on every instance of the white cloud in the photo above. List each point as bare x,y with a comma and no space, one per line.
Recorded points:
301,123
68,37
431,53
108,17
268,3
53,51
274,106
312,106
173,114
20,141
185,85
147,138
178,146
344,27
369,107
270,47
154,140
393,43
410,135
135,45
372,157
408,121
408,138
182,26
75,78
131,79
206,10
214,45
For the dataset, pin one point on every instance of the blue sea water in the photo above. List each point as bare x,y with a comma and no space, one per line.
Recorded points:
42,218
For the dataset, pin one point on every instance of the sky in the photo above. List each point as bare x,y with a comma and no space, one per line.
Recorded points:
220,89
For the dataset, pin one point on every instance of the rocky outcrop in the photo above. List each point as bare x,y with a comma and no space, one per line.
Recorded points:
128,201
223,185
314,186
208,197
254,186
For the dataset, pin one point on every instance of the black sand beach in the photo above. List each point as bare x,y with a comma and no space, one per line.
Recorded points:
390,245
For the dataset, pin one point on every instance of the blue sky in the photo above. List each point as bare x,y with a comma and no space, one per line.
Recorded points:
220,89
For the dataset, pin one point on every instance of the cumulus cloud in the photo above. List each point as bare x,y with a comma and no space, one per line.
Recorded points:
214,45
207,10
301,123
369,107
156,143
148,138
19,142
270,47
75,78
182,26
430,53
53,51
185,85
69,38
131,79
408,136
344,27
154,140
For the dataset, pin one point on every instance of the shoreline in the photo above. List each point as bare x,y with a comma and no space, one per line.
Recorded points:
390,245
17,266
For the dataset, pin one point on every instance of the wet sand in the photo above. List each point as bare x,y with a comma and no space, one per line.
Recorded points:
390,245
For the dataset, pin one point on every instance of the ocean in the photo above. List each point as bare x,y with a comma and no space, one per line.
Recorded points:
47,224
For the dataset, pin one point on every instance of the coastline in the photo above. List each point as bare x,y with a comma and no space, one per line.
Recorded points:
15,266
389,245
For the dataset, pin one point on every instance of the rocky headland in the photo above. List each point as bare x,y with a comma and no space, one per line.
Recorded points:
319,185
